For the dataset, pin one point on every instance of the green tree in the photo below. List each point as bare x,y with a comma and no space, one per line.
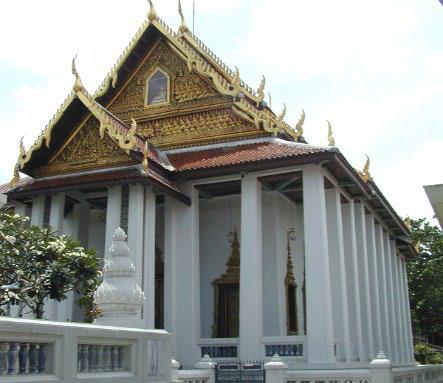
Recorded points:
37,263
425,277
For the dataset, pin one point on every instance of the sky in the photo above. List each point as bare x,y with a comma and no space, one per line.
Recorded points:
372,68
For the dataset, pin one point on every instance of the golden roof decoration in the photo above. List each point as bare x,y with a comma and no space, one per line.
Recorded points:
407,221
299,125
15,177
417,246
78,85
152,15
145,153
365,173
183,27
270,100
261,91
331,139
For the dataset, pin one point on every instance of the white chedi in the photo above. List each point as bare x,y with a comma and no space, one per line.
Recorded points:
119,297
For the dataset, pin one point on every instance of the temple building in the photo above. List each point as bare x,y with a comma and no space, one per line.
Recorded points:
248,241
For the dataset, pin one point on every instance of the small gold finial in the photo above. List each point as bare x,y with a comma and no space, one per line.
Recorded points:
78,86
366,175
152,15
133,126
261,88
331,138
183,27
407,222
22,148
145,153
299,125
282,115
15,178
417,246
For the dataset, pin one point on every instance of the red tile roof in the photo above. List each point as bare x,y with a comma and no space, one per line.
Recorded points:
241,154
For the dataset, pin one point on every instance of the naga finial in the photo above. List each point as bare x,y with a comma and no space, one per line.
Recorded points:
299,124
22,148
331,138
152,15
366,175
16,177
78,86
183,27
145,153
261,88
282,115
236,78
407,222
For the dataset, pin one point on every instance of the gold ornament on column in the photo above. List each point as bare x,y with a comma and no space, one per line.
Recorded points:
331,139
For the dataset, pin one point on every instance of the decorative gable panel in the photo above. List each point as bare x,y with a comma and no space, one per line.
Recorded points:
86,151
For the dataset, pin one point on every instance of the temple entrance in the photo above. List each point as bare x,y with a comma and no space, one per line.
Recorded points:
227,296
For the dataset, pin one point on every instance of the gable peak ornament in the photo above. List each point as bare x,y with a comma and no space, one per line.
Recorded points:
78,85
366,175
152,15
183,28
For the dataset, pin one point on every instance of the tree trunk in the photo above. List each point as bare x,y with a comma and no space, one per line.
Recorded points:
38,311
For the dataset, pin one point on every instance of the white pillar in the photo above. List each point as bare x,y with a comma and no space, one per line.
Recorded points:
340,308
381,369
410,341
188,279
391,303
38,210
374,281
135,229
251,287
320,336
365,298
170,271
403,315
149,257
397,307
350,242
113,210
383,292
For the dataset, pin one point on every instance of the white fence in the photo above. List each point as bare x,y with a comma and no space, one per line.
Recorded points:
43,351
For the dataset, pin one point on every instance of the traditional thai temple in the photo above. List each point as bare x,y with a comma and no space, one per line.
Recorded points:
247,240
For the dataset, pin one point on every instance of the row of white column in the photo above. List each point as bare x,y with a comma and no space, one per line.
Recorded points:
368,285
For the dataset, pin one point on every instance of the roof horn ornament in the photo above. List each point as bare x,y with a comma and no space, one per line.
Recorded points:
366,175
78,86
183,28
299,125
408,222
22,149
16,177
152,15
261,90
331,138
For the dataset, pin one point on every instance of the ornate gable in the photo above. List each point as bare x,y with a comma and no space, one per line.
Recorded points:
85,150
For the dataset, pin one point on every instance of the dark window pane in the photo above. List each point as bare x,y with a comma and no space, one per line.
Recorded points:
157,88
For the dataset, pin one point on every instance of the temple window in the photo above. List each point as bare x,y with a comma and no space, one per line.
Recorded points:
157,89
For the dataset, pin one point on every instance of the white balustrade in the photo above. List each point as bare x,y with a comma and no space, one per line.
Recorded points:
285,346
37,350
329,376
194,376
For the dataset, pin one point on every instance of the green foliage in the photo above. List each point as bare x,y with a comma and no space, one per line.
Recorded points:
425,354
40,264
425,277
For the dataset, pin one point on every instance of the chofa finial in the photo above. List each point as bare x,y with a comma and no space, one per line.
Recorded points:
407,222
183,27
261,88
152,15
78,86
366,175
331,138
15,177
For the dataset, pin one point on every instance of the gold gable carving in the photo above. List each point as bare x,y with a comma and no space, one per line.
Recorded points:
185,87
86,151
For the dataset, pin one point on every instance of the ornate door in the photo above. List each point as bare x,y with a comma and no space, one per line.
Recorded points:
229,299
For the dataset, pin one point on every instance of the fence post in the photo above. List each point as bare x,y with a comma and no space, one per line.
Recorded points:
381,369
174,370
206,363
275,370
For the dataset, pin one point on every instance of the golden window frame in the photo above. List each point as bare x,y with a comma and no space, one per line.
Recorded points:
168,88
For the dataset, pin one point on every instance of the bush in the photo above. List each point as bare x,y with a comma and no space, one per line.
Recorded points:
426,354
